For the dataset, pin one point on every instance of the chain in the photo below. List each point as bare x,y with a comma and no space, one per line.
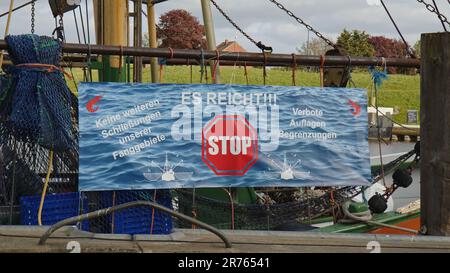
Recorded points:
33,9
61,26
408,48
257,44
308,27
433,10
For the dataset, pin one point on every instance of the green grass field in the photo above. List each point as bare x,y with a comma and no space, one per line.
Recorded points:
400,91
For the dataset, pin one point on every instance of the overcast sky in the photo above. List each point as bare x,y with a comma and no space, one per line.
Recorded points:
266,23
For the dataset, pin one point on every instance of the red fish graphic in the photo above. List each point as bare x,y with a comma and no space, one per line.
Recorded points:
356,109
92,102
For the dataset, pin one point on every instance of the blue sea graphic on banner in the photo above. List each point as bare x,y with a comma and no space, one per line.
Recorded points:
160,136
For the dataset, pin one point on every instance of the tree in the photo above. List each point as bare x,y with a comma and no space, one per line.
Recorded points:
179,29
417,48
315,46
388,48
356,43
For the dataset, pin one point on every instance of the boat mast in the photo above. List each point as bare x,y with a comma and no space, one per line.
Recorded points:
111,17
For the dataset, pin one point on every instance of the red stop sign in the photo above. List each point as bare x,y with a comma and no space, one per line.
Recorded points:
229,145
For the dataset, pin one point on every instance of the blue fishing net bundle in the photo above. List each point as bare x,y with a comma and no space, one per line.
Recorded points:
36,103
37,113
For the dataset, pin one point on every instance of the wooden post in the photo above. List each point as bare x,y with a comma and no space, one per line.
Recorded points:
137,65
435,134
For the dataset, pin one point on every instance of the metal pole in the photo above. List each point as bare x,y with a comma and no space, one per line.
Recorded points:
153,42
115,33
272,59
210,34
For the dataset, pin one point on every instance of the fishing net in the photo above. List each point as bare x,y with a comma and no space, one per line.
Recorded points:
37,104
138,220
278,208
37,113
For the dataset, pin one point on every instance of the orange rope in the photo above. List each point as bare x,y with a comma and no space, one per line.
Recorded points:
294,69
161,66
48,67
322,63
246,72
265,68
232,207
161,73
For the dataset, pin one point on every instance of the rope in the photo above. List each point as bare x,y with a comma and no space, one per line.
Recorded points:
366,217
120,62
88,40
41,112
232,207
191,71
194,212
265,67
8,23
407,47
216,64
82,24
294,68
13,184
233,74
206,74
162,63
246,73
322,62
76,26
333,205
391,120
50,68
113,214
349,72
153,214
44,190
202,64
378,78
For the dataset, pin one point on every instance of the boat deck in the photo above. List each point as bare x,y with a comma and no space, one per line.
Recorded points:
24,239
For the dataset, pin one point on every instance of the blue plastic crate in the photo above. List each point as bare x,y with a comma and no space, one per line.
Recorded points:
138,220
57,207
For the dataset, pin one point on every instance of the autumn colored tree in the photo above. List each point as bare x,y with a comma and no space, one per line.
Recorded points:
179,29
388,48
